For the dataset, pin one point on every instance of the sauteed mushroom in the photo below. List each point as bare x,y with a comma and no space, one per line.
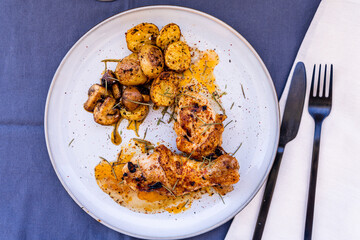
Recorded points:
104,113
95,93
130,98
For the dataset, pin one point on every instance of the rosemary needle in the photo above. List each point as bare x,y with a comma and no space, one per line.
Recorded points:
71,142
236,149
228,123
112,169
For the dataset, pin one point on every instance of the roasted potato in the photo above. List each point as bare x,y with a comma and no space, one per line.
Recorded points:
164,89
138,114
168,34
151,60
144,33
177,56
130,97
129,72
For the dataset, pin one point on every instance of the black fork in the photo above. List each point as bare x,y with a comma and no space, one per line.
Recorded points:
319,109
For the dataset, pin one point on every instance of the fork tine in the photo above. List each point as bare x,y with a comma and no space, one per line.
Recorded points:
331,81
312,82
318,86
324,86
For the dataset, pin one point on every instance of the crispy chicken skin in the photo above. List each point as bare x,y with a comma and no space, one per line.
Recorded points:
198,127
171,174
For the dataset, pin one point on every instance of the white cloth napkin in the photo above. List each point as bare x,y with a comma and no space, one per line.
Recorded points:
333,37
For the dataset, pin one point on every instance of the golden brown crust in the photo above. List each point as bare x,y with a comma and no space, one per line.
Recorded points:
168,34
177,56
163,170
141,34
164,89
198,128
104,113
129,72
151,60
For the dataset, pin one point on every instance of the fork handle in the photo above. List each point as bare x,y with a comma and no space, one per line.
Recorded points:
313,177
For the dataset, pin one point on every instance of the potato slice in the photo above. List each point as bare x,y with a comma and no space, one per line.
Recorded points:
177,56
129,72
141,34
151,60
164,89
138,114
168,34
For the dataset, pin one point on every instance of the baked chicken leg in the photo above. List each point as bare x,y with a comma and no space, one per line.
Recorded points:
198,127
171,174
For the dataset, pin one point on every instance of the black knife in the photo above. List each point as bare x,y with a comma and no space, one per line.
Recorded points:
288,131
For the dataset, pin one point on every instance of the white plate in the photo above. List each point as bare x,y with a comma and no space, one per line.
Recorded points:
255,121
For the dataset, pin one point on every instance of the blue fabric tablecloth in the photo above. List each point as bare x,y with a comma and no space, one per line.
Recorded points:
35,36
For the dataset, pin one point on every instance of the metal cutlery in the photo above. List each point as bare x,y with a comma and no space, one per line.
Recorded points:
288,131
319,109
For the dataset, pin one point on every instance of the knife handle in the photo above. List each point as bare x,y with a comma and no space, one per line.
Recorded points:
269,190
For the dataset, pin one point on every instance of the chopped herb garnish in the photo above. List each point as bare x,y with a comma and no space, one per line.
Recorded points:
142,141
158,122
173,188
243,92
112,169
232,105
145,133
136,128
169,190
185,203
116,105
228,123
222,109
236,149
222,94
71,142
141,103
111,60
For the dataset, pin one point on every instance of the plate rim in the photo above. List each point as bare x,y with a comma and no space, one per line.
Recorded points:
171,7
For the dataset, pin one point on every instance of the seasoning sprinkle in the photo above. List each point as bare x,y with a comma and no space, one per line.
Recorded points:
243,92
228,123
236,149
145,133
111,60
71,142
112,169
222,109
141,103
173,188
185,203
169,190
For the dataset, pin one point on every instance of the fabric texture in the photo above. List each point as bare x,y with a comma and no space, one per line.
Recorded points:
35,36
333,38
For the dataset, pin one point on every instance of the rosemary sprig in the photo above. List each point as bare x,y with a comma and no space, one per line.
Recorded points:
136,128
222,94
158,122
199,118
232,105
71,142
242,89
145,133
221,198
236,149
112,169
207,128
142,141
141,103
172,116
185,203
173,188
118,104
111,60
227,123
210,124
222,109
169,190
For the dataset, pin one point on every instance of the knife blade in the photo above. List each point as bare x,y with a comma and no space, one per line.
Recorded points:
288,131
